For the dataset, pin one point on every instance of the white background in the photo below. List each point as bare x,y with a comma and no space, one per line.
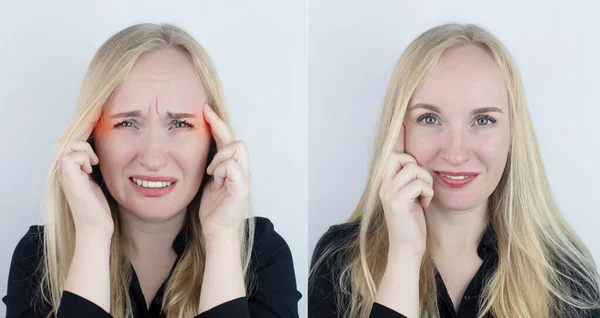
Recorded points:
259,49
353,47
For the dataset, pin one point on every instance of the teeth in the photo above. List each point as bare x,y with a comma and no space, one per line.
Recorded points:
151,184
455,178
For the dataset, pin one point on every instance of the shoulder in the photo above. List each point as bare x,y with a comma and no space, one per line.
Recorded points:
30,247
334,239
272,265
267,241
331,255
25,271
328,260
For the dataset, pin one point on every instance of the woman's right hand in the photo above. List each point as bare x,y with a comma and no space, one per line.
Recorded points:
402,183
86,200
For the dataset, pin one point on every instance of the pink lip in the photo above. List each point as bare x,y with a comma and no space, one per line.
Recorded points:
152,192
455,184
456,174
155,178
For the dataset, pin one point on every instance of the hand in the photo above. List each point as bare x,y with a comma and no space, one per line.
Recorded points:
402,183
223,201
89,207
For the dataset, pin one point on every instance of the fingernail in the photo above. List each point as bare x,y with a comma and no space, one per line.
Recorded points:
208,108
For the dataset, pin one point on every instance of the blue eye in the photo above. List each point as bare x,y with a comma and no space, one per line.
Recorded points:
482,120
176,123
124,123
430,119
185,124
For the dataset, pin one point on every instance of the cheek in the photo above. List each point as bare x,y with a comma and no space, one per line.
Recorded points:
196,155
493,150
422,144
194,158
113,156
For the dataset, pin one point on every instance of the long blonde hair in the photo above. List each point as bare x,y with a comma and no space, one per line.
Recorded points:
113,60
544,269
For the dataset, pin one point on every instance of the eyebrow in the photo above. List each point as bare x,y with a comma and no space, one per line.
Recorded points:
473,112
137,113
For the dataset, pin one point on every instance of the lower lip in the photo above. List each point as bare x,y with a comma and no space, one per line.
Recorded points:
455,184
153,192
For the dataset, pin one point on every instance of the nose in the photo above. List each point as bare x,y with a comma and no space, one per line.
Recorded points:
456,149
152,151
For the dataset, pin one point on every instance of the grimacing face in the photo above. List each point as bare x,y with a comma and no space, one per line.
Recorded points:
458,121
152,126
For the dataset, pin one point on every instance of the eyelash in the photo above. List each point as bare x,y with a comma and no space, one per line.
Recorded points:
431,115
187,125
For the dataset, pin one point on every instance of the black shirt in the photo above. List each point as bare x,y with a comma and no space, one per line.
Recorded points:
274,292
322,303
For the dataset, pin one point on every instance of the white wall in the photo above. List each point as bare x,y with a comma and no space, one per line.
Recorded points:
259,49
353,47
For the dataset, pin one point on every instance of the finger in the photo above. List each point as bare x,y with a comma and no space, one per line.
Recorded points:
84,146
415,189
228,170
410,172
399,147
236,151
426,201
81,159
218,128
394,164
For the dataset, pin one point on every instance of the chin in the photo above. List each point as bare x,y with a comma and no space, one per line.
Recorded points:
454,201
154,211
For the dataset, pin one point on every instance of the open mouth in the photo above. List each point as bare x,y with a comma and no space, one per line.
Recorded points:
456,181
152,189
152,184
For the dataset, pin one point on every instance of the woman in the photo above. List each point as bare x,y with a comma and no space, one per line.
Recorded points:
457,219
147,196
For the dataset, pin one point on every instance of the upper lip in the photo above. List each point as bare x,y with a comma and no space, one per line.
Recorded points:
155,178
456,174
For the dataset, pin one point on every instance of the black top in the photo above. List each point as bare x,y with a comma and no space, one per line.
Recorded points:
321,298
274,292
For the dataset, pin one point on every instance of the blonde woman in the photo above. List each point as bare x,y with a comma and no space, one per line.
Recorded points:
146,201
457,218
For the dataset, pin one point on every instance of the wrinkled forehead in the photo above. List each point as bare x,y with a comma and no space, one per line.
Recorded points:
463,79
165,78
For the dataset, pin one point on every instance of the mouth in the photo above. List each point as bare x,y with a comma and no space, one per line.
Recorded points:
151,184
153,188
456,180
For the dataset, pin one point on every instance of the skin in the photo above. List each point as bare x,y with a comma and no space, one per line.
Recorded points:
161,82
450,139
150,143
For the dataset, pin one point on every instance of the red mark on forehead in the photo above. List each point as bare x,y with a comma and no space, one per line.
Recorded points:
101,127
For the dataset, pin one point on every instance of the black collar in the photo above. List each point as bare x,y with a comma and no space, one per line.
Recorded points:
488,246
179,244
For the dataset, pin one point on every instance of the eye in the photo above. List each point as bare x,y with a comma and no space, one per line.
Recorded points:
182,124
427,119
124,123
485,120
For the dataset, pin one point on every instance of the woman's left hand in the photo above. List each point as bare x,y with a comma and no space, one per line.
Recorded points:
223,201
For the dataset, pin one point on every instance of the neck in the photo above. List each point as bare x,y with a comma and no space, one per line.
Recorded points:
456,231
149,239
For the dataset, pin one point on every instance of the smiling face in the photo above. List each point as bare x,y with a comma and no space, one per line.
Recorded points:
458,121
152,126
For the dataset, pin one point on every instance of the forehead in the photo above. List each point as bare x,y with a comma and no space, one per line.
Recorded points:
166,76
464,78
